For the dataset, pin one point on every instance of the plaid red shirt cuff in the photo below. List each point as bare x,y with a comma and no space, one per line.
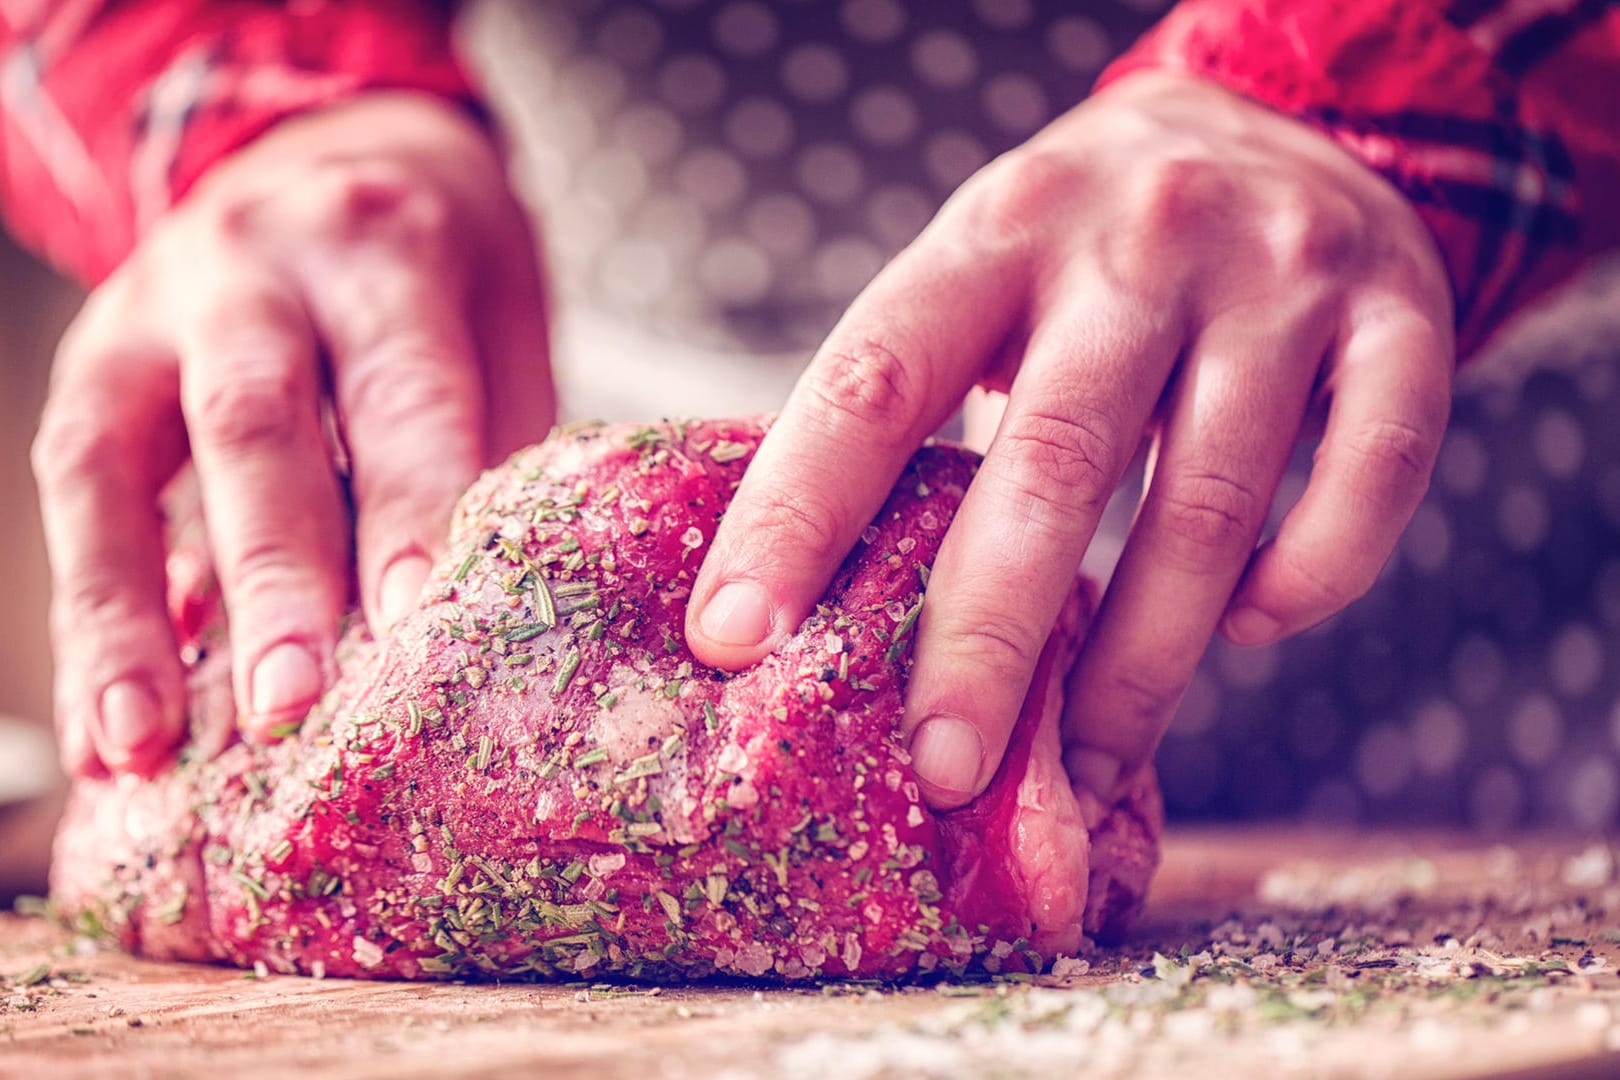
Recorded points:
111,109
1499,119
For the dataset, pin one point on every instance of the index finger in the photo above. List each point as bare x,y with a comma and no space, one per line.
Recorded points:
892,370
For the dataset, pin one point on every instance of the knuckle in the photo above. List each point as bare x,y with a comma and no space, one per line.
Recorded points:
408,380
869,385
1059,463
71,445
791,519
88,599
266,573
994,643
357,200
1394,456
1144,695
1205,516
252,409
1319,587
1309,230
1019,192
1179,191
1180,197
238,217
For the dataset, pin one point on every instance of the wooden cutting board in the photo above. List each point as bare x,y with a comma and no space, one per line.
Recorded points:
1265,952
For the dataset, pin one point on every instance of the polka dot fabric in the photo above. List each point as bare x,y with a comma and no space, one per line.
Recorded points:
733,172
1479,681
736,171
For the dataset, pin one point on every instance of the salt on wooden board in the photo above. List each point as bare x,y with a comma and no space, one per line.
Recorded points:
1270,952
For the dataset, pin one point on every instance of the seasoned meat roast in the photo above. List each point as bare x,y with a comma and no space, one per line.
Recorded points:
534,777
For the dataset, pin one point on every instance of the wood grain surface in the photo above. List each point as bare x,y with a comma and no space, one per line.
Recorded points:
1279,953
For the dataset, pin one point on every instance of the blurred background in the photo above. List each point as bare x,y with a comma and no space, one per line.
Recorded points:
716,178
34,307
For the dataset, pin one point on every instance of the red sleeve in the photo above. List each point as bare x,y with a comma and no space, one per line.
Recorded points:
1499,119
111,109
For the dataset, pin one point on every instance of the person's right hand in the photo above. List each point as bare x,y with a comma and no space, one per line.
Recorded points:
369,257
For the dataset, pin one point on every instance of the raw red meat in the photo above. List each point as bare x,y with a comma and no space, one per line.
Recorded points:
534,777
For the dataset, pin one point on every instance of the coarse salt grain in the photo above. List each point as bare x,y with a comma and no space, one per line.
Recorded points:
743,796
604,863
366,953
1067,967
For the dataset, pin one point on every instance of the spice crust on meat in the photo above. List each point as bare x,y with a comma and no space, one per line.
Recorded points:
533,777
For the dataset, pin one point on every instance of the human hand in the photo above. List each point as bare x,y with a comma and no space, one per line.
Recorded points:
1167,260
361,272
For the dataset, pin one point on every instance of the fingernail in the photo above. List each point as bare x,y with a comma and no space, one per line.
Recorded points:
130,716
948,754
1251,626
738,614
400,588
1096,771
286,679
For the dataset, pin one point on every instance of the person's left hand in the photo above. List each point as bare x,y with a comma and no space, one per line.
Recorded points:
1167,260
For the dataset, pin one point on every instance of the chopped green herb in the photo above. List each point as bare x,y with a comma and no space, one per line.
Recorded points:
251,884
566,673
594,756
646,765
545,609
32,976
902,633
725,450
